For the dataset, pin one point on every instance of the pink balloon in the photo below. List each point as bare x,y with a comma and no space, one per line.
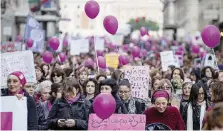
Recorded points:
54,43
135,51
100,53
143,31
62,57
143,53
89,63
111,24
65,42
211,36
125,47
92,9
101,62
123,60
47,57
195,49
179,53
19,38
29,43
104,105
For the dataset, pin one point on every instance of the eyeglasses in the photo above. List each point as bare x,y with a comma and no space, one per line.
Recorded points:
165,87
123,92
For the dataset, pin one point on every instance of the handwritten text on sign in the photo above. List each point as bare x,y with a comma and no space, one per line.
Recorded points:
117,122
18,61
139,78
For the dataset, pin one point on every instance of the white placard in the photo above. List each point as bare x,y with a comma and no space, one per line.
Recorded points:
167,59
209,60
18,109
84,46
75,47
18,61
99,43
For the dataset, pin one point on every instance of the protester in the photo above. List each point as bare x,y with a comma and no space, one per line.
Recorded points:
185,95
82,76
57,76
132,105
162,113
101,77
69,112
195,75
215,118
90,89
207,73
15,82
39,74
46,71
110,86
194,111
220,75
166,85
117,75
177,79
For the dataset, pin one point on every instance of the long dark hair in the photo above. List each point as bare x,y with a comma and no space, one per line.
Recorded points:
181,73
95,83
195,92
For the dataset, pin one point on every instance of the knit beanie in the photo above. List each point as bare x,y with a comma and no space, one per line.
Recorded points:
20,76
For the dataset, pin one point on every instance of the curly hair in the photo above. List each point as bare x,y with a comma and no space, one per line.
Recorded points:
109,82
95,83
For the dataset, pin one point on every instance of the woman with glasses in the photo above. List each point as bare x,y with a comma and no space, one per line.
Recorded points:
132,105
166,85
57,76
194,111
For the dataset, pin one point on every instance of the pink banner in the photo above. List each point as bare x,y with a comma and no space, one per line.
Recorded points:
117,122
6,120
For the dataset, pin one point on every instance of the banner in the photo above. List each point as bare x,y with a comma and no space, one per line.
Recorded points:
112,60
139,78
18,61
13,115
117,122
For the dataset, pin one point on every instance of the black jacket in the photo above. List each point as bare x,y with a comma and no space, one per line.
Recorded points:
31,108
183,103
42,123
140,107
79,111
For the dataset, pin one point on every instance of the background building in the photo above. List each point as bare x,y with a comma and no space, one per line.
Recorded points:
14,12
123,10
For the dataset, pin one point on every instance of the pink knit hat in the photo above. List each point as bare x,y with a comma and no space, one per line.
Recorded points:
160,93
20,76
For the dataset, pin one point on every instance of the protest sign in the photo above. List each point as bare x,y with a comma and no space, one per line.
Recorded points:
84,46
167,59
210,60
117,39
117,122
75,47
14,115
139,78
112,60
18,61
99,43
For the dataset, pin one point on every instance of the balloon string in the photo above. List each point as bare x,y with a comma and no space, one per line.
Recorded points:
215,58
96,56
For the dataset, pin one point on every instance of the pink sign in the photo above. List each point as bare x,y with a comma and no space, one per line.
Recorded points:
117,122
6,120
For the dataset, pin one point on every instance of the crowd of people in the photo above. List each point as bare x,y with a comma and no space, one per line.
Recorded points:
185,98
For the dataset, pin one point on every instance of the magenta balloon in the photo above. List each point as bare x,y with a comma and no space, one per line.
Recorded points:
89,63
125,47
101,62
135,51
100,53
62,57
111,24
65,42
29,43
179,53
54,43
104,105
147,45
47,57
143,53
195,49
143,31
123,59
211,36
92,9
19,38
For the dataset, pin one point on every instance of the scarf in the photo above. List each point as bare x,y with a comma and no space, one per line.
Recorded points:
71,101
190,115
131,106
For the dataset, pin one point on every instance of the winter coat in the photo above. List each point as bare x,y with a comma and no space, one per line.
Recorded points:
79,111
31,108
134,106
42,123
